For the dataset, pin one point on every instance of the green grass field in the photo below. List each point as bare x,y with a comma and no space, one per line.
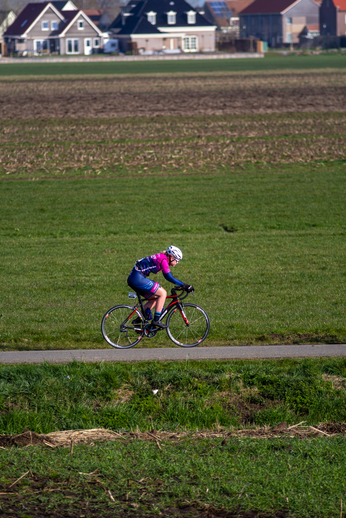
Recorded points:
292,62
276,275
274,476
244,477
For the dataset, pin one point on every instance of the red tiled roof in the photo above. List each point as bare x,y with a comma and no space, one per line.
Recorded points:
93,12
313,27
269,6
235,6
341,4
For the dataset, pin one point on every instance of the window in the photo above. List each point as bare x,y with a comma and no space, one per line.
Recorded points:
45,26
80,25
72,47
54,26
190,43
191,17
151,17
24,23
289,21
171,17
96,43
40,46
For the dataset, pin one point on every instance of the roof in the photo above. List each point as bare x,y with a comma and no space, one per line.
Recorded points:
94,14
313,27
135,16
269,6
63,5
341,4
32,11
25,18
227,8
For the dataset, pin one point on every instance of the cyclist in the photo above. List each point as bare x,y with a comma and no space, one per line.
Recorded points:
138,281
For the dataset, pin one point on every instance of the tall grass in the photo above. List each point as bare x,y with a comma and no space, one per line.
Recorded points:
190,396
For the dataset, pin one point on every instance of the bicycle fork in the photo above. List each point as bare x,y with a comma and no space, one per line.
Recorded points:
182,312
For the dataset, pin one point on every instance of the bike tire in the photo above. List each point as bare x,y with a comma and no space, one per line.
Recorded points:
191,334
117,328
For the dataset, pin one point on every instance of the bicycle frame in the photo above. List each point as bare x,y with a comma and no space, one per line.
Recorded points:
187,325
175,302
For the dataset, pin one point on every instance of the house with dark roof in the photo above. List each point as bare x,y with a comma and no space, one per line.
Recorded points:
167,26
278,22
333,18
225,14
56,27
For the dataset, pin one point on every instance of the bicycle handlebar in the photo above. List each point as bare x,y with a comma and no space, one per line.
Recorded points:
180,288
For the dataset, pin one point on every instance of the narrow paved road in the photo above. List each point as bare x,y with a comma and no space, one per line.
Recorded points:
176,353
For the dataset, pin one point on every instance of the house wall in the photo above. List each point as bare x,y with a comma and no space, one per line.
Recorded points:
37,32
205,41
266,27
328,18
87,32
74,33
304,13
277,28
341,23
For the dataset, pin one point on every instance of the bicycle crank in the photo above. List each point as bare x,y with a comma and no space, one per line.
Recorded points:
149,331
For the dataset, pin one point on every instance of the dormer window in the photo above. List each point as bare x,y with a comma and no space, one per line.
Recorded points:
45,26
80,25
191,17
54,25
151,17
171,17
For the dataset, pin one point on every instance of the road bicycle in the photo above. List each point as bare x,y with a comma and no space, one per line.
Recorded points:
187,325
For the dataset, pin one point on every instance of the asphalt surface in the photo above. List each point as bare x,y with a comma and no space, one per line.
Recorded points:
175,353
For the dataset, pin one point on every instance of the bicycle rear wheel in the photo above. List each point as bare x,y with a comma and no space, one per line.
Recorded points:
118,329
189,326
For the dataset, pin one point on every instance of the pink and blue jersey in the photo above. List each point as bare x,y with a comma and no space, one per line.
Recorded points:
138,280
153,264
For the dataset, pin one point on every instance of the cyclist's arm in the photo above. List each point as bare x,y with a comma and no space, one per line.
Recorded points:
169,277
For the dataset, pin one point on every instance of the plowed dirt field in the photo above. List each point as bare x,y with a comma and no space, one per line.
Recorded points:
313,91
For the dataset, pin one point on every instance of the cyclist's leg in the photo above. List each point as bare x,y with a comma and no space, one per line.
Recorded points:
149,289
159,300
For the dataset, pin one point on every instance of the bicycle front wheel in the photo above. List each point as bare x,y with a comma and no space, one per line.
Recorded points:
118,328
188,326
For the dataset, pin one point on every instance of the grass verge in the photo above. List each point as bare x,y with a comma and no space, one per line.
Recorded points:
228,477
176,66
171,396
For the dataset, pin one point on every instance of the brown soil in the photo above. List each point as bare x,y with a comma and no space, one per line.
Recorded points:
173,95
19,510
68,438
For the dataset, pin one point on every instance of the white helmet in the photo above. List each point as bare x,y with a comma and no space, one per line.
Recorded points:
175,252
